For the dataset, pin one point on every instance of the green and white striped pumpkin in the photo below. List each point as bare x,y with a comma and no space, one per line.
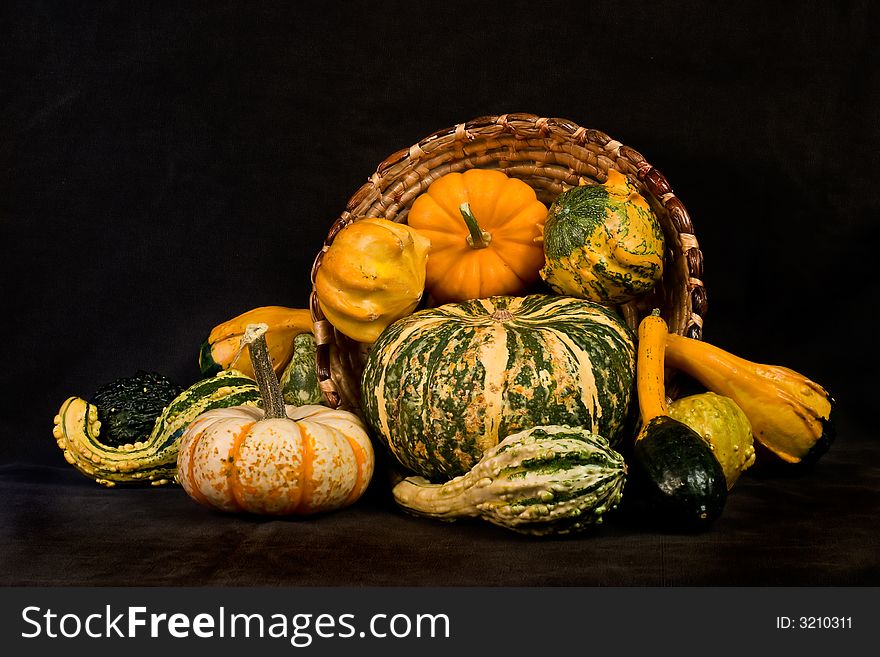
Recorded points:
444,385
154,458
544,480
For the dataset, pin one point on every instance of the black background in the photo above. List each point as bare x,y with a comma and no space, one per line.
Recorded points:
169,165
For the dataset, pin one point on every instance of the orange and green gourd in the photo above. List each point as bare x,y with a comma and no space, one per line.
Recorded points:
222,348
603,243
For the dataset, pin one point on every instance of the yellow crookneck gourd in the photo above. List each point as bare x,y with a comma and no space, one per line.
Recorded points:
372,275
222,350
790,415
483,227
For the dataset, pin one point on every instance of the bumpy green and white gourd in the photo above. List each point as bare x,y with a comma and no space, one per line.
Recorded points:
603,242
544,480
154,458
444,385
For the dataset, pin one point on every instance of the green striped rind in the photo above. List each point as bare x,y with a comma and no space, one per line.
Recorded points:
544,480
601,246
228,388
299,382
444,385
153,459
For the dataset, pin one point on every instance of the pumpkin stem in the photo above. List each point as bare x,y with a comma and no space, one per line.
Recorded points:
255,339
479,238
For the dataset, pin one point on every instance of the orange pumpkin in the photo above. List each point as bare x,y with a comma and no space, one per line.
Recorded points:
483,227
282,461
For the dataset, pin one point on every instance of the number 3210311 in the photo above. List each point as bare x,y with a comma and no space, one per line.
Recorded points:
814,622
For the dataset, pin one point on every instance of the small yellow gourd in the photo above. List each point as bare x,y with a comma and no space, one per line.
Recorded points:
372,275
724,427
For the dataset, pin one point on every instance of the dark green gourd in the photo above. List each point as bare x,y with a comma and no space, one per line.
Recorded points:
681,482
128,407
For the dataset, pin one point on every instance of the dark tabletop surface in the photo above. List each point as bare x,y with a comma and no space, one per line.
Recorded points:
818,527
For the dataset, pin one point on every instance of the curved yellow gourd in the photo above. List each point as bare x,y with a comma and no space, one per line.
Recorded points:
222,350
790,415
651,382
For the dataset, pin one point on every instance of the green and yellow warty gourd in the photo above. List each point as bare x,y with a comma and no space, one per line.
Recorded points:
724,427
603,242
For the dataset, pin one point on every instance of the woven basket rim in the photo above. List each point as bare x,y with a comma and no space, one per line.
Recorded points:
552,154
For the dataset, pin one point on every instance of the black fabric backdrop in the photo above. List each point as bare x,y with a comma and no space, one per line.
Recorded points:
169,165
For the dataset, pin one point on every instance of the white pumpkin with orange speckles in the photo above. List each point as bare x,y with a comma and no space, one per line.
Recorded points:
315,460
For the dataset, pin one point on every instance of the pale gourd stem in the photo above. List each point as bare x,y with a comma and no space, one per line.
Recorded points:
479,238
255,339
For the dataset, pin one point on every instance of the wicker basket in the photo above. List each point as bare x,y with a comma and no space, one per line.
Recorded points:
551,155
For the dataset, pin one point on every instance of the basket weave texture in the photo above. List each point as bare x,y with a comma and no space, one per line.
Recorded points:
551,155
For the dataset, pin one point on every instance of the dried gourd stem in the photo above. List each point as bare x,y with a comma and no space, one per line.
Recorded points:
255,339
479,238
